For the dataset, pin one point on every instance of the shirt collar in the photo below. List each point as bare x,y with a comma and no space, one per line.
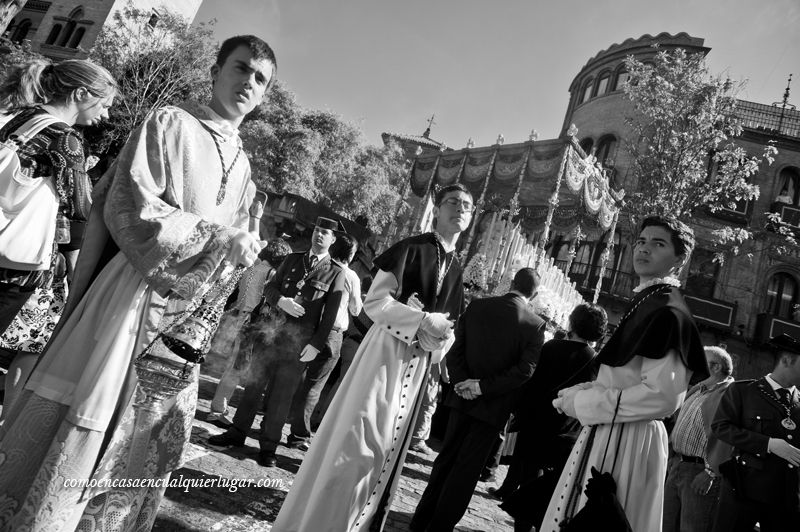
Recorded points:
319,257
775,386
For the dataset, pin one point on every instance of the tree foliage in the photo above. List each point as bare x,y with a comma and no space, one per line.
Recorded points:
320,156
155,65
684,157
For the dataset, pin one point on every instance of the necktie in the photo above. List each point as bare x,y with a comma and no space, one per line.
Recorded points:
785,396
312,260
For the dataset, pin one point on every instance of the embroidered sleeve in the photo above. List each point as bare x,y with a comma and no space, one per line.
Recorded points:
175,250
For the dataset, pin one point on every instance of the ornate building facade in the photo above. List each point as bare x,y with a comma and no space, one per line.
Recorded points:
749,298
64,29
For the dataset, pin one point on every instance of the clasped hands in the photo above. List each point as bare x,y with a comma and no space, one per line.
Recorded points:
785,450
435,329
564,403
469,389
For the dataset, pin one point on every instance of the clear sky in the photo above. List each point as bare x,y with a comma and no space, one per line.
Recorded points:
492,66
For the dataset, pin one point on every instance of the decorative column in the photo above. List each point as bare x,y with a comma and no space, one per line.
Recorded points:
605,256
573,249
479,204
553,202
461,170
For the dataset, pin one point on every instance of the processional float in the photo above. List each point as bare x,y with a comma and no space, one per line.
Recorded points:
524,192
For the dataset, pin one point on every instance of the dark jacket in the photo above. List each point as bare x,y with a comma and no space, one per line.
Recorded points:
498,340
563,363
748,415
322,291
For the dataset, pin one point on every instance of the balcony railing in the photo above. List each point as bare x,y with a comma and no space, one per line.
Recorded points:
767,118
789,213
769,326
616,283
712,312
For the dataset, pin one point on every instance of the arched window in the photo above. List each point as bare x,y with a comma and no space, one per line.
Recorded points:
69,29
587,91
602,84
606,150
789,180
781,295
51,38
586,145
22,31
619,80
76,37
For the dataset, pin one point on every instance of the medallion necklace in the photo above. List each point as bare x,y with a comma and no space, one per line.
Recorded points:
787,422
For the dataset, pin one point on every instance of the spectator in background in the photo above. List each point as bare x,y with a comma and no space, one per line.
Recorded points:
316,374
228,339
784,197
45,101
692,488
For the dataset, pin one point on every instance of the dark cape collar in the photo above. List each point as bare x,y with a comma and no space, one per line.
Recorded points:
656,321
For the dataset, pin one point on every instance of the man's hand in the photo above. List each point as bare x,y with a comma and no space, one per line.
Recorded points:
308,353
291,307
437,324
244,249
469,389
701,484
785,450
565,402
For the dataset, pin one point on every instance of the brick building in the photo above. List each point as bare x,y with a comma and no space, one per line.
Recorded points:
748,299
67,29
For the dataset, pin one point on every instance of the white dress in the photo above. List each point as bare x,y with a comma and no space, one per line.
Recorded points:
652,389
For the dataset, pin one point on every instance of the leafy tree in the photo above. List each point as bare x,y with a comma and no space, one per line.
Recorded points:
684,157
155,66
322,157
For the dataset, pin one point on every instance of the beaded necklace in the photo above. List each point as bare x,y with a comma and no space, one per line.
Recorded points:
439,274
225,171
786,422
660,291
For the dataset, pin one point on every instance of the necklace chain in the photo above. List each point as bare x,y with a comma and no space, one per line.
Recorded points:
225,171
659,291
439,275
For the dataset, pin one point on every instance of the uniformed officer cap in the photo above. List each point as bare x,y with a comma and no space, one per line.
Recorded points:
328,223
785,343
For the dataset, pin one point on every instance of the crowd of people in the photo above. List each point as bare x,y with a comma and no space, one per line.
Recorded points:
103,382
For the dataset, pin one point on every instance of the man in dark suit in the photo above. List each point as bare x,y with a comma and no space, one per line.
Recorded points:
761,420
308,287
497,346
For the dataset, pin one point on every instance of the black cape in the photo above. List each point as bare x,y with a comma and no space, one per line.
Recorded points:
413,263
656,321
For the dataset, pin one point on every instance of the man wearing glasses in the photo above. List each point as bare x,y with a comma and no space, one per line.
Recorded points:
348,477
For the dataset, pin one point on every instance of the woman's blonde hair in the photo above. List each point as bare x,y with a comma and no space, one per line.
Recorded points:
42,81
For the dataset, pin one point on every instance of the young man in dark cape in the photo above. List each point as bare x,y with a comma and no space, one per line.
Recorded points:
351,471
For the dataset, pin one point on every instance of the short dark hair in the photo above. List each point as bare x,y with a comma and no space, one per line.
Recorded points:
344,246
442,192
526,281
588,321
681,234
258,47
275,251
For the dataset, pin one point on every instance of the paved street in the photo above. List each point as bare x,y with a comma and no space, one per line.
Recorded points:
219,508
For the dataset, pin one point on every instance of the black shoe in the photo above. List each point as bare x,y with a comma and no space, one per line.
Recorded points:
227,439
267,459
488,476
300,445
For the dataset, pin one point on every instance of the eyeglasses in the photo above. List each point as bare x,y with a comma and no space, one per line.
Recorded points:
455,202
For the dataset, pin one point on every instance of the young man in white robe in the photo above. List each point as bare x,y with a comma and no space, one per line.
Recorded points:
169,220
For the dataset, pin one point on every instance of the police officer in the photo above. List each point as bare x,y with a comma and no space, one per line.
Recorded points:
761,420
307,288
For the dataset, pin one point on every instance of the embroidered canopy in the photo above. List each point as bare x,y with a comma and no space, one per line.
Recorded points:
532,171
